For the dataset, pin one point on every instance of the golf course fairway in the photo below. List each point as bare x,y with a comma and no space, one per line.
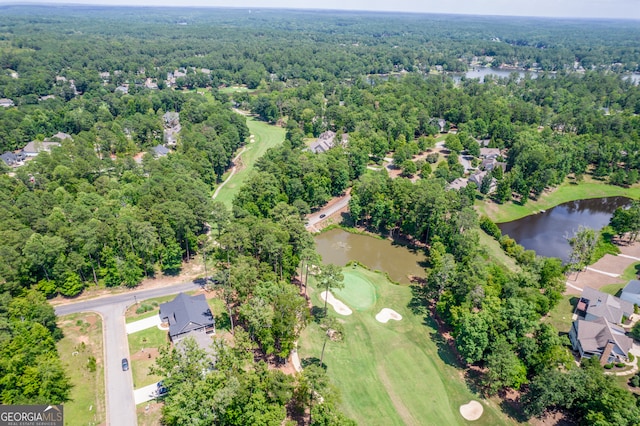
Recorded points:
392,373
265,136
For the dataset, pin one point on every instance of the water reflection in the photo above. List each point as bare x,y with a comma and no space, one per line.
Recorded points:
547,232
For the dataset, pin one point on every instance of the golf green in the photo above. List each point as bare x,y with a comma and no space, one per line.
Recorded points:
358,293
398,373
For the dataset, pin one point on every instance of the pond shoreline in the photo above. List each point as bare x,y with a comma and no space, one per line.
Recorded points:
566,192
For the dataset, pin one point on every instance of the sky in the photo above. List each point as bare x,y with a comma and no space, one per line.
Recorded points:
626,9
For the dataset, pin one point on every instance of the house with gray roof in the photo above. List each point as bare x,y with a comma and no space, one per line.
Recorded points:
600,338
325,142
631,292
187,314
596,304
160,151
489,153
34,148
5,102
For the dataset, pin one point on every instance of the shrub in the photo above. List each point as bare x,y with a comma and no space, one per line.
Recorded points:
620,364
432,158
631,357
634,381
635,331
91,364
608,366
145,307
490,228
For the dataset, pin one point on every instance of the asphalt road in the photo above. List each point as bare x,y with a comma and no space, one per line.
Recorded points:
314,218
121,407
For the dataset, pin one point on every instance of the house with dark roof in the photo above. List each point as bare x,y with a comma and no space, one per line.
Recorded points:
600,338
631,292
595,304
12,159
187,314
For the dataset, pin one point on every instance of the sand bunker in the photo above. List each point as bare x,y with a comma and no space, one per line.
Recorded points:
340,307
472,410
387,314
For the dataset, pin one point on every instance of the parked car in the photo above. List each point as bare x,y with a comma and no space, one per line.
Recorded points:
125,364
162,391
322,216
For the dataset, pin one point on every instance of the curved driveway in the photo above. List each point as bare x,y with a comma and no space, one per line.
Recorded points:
121,407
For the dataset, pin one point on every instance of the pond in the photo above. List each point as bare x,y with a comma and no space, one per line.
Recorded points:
547,232
339,247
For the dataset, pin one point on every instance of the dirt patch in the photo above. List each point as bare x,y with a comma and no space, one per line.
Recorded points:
150,353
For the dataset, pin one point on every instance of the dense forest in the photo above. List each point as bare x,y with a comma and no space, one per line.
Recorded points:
104,209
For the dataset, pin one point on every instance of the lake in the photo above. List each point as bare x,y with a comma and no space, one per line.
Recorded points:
547,232
339,247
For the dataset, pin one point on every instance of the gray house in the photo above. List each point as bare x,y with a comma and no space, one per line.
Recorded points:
631,292
324,143
595,304
600,338
187,314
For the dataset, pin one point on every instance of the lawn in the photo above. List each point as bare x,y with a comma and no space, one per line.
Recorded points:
265,136
143,347
83,340
235,89
568,191
561,315
151,307
393,373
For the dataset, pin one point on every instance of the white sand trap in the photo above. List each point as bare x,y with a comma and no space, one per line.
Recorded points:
387,314
472,410
340,307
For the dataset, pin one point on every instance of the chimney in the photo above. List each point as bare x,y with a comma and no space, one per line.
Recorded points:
605,354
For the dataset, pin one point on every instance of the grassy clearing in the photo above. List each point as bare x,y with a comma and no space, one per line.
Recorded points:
566,192
143,347
82,340
394,373
494,252
265,136
234,89
560,316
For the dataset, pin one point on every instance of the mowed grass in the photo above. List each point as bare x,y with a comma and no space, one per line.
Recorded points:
149,340
393,373
265,136
561,315
493,251
359,293
566,192
83,339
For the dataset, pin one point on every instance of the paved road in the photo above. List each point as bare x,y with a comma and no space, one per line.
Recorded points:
314,218
121,407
